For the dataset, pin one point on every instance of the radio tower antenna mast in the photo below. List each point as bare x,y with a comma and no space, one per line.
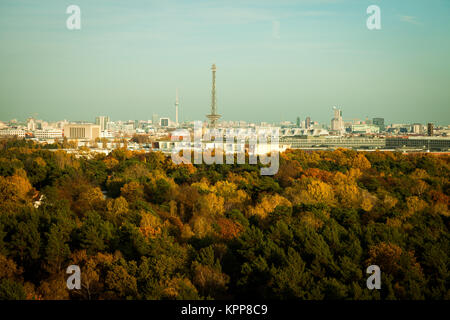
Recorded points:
213,117
176,108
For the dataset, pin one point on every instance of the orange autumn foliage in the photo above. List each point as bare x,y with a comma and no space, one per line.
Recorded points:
228,228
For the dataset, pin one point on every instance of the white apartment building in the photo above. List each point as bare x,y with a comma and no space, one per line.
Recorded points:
13,132
417,128
48,134
103,122
31,124
107,134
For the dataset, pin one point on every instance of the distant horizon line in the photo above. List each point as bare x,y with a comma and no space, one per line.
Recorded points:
19,120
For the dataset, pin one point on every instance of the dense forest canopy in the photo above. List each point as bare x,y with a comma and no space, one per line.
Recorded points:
141,227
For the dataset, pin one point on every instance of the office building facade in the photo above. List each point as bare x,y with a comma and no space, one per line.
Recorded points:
86,131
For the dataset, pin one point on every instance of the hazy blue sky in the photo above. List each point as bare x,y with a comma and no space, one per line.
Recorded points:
276,59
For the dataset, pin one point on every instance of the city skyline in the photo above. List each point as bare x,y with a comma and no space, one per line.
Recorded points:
277,60
300,122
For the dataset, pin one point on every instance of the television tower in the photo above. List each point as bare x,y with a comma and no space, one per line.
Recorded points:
213,117
176,108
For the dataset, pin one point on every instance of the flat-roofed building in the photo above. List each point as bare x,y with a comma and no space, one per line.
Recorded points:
48,134
379,122
365,128
13,132
426,143
164,122
306,142
86,131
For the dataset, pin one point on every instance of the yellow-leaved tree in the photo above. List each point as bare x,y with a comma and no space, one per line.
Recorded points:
15,191
150,225
267,205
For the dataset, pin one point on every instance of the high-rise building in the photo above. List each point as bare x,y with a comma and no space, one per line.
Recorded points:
102,121
213,117
308,122
164,122
337,123
298,122
379,122
31,124
155,119
430,127
417,128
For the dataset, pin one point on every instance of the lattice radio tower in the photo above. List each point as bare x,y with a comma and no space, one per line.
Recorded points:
213,117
